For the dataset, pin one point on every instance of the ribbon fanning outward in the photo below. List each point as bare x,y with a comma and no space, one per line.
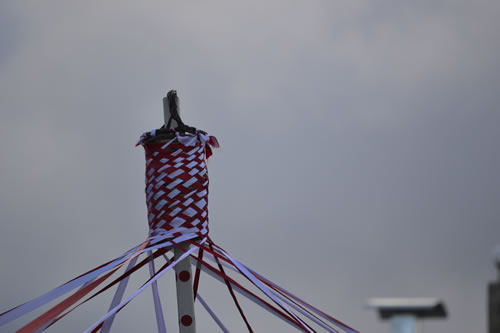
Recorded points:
177,204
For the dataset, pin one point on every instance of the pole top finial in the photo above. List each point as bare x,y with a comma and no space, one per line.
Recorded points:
171,110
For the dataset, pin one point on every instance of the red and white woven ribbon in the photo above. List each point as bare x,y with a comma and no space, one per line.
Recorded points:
177,185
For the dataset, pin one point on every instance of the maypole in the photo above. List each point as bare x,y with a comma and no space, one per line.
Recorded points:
176,179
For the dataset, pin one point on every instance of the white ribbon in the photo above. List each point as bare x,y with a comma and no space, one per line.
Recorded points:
247,295
305,313
63,289
138,291
160,321
212,314
106,326
263,288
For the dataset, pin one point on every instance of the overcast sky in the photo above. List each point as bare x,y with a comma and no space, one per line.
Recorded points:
360,147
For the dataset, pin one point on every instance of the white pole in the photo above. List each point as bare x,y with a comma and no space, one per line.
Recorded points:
183,273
